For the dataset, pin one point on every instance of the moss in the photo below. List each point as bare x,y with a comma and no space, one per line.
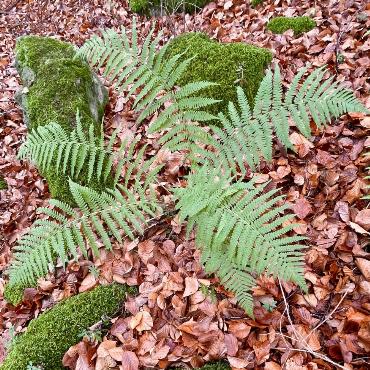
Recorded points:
298,24
149,7
13,294
221,365
57,86
254,3
50,335
227,64
3,184
33,51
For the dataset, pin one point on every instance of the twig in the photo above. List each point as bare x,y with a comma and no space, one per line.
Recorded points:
330,314
337,46
308,349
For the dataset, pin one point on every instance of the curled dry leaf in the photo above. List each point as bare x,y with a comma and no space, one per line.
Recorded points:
88,283
141,321
191,286
302,208
129,361
364,266
363,219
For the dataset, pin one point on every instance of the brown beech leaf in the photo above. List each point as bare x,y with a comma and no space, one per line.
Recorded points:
237,363
364,267
302,145
145,250
191,286
116,353
302,208
142,321
240,329
129,361
357,228
271,365
363,219
231,343
262,351
88,283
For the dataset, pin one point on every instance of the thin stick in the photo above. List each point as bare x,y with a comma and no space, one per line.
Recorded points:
299,336
330,314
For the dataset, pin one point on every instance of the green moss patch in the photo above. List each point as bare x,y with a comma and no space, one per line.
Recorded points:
216,366
50,335
13,293
3,184
56,86
254,3
149,7
298,24
227,64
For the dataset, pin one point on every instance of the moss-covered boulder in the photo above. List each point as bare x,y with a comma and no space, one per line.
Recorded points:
227,64
55,86
153,7
50,335
298,24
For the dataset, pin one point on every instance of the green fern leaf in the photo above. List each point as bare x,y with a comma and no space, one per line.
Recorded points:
70,232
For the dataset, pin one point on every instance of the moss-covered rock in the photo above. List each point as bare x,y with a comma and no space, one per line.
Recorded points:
227,64
50,335
55,86
153,7
3,184
298,24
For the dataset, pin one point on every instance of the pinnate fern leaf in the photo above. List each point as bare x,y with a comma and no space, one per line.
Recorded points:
247,135
142,69
69,153
244,224
68,232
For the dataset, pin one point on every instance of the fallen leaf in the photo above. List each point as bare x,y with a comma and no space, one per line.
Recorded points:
191,286
364,267
141,321
363,219
129,361
302,208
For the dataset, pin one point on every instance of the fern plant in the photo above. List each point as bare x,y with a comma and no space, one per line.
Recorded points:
67,231
247,136
131,67
241,228
69,153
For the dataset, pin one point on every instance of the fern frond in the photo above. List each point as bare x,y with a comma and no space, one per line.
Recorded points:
132,68
232,277
69,153
318,98
248,136
112,213
241,222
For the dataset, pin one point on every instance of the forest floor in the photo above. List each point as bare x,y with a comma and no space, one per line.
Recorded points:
180,314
